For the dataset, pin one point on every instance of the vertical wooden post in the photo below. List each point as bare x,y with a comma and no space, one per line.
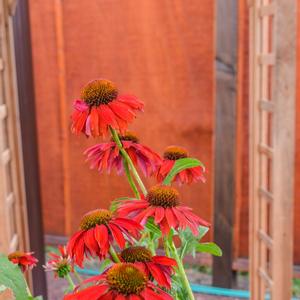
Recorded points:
225,140
284,146
28,130
272,142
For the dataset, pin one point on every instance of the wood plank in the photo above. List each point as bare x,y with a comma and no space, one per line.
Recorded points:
284,75
225,142
28,129
3,111
266,105
254,97
267,10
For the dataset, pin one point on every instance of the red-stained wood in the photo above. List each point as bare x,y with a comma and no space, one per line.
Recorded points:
162,51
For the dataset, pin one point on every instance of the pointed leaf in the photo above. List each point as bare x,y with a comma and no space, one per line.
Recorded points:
12,277
180,165
210,248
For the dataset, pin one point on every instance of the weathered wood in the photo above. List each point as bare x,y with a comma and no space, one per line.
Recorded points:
225,141
272,125
283,89
29,142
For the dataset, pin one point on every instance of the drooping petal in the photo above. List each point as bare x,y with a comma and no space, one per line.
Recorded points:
101,236
158,275
164,260
117,234
159,214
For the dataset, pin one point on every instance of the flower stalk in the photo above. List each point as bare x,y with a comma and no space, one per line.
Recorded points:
130,179
181,270
70,281
127,158
114,255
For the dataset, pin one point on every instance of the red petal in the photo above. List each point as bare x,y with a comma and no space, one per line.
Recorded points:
90,241
171,218
159,214
101,236
164,260
117,234
122,110
94,117
158,275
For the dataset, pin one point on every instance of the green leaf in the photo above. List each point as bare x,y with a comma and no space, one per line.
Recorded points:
12,277
116,202
180,165
190,242
210,248
104,264
202,231
152,227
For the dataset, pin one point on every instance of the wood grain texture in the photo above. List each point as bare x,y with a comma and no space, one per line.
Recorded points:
163,52
225,141
283,89
21,29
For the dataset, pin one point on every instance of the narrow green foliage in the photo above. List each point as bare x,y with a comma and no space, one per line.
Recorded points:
180,165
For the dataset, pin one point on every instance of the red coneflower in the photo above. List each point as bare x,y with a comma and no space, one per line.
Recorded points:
162,203
98,229
101,106
106,156
160,267
25,260
173,153
61,264
123,281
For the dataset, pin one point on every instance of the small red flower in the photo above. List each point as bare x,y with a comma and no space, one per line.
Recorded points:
98,229
25,260
61,264
162,203
123,281
106,156
101,106
173,153
159,267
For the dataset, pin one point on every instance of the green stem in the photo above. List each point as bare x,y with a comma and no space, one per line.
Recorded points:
151,245
114,255
70,281
128,160
28,290
77,276
130,179
181,272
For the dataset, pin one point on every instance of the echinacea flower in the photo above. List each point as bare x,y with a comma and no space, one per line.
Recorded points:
123,281
159,267
98,229
61,264
173,153
101,106
25,260
106,156
163,205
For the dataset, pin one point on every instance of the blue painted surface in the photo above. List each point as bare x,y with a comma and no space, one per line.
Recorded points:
197,288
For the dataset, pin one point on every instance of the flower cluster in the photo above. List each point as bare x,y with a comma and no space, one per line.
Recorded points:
128,234
25,260
136,272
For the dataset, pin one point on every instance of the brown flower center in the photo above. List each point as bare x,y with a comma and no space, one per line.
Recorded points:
174,153
95,217
129,136
164,196
136,254
99,91
16,254
126,279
